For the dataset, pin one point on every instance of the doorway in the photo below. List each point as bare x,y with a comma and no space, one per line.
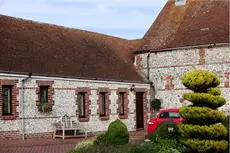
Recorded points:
139,111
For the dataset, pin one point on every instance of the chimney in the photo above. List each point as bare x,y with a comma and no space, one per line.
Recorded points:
180,2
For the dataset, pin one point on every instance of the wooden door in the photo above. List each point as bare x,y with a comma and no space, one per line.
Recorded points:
139,110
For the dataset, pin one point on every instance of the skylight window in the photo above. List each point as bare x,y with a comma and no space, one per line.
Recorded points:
180,2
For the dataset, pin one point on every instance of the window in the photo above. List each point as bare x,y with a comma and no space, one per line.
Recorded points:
180,2
103,104
44,94
7,100
122,103
169,115
81,104
174,115
164,115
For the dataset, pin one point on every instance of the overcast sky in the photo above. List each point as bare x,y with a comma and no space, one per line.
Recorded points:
123,18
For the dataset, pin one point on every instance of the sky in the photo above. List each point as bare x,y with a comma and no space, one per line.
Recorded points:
128,19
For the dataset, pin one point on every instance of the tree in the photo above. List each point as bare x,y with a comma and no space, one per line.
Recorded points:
202,130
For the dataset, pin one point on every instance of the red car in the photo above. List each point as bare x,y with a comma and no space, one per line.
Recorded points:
162,116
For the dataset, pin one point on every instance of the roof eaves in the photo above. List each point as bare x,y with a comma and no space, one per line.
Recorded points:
183,47
73,77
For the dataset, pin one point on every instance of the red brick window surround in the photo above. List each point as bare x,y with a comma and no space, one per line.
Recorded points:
8,99
104,103
122,102
45,92
83,102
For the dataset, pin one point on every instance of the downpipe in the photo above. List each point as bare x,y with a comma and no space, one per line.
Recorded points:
22,105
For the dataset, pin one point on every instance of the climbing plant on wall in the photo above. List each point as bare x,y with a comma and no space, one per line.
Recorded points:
202,130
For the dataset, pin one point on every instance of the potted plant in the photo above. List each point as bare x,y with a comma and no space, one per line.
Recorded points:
44,107
156,105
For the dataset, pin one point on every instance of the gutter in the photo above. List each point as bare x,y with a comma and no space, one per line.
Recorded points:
181,48
73,77
22,106
70,78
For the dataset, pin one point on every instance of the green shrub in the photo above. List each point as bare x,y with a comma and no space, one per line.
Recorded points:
207,146
171,143
156,104
117,133
160,145
84,146
205,99
148,147
100,139
162,131
215,131
214,91
104,148
201,115
168,150
200,80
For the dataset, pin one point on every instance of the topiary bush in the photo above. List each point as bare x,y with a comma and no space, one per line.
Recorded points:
202,129
200,80
117,133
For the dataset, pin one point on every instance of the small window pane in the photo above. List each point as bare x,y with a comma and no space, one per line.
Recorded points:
164,115
81,104
7,100
174,115
103,104
44,94
122,103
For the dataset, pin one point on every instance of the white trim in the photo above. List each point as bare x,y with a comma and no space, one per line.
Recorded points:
70,79
182,48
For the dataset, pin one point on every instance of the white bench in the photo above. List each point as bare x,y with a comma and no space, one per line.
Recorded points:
65,123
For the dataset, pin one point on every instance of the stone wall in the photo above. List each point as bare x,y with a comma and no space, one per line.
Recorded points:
166,67
63,96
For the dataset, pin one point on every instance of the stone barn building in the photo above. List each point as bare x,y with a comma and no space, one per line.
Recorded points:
95,78
189,35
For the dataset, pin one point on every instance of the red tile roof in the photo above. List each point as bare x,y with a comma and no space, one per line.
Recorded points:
199,22
27,46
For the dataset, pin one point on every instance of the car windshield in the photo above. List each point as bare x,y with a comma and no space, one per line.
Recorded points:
169,115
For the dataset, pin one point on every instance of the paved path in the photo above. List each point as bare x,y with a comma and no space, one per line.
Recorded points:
38,145
51,145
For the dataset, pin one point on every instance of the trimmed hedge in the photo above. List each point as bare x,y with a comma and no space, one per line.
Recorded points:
117,133
201,115
214,131
200,80
207,146
205,99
